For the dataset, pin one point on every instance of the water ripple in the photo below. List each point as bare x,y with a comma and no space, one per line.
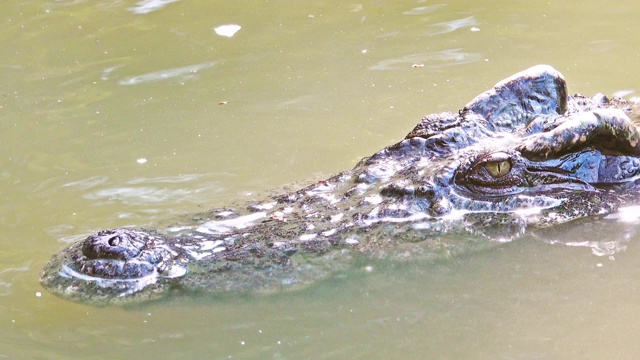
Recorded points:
184,73
138,195
421,10
87,183
147,6
149,190
5,284
453,25
438,59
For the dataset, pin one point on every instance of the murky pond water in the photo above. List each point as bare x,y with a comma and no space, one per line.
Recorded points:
117,113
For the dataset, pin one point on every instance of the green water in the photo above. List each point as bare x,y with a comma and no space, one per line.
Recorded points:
120,113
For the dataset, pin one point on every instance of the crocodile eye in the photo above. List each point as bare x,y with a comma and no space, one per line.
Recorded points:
497,173
498,169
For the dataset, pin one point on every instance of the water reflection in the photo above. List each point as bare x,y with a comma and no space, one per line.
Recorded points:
8,276
143,190
87,183
603,237
600,248
65,233
438,59
421,10
623,93
147,6
107,72
183,73
453,25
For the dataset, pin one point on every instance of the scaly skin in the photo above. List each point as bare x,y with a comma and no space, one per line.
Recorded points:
521,154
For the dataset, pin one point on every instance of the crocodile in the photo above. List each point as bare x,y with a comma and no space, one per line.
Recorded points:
522,154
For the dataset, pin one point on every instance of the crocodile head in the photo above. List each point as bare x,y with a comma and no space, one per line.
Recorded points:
114,264
521,154
524,148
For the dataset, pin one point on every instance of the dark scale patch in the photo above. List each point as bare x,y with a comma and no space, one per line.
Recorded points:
316,246
501,226
435,124
396,189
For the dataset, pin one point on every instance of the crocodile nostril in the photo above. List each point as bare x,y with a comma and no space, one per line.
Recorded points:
114,241
119,244
425,191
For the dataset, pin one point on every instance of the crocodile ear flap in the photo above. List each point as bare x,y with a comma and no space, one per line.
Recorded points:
514,101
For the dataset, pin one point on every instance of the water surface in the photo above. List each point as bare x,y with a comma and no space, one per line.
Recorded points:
117,113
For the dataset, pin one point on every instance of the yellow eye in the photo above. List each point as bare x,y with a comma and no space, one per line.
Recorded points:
498,169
